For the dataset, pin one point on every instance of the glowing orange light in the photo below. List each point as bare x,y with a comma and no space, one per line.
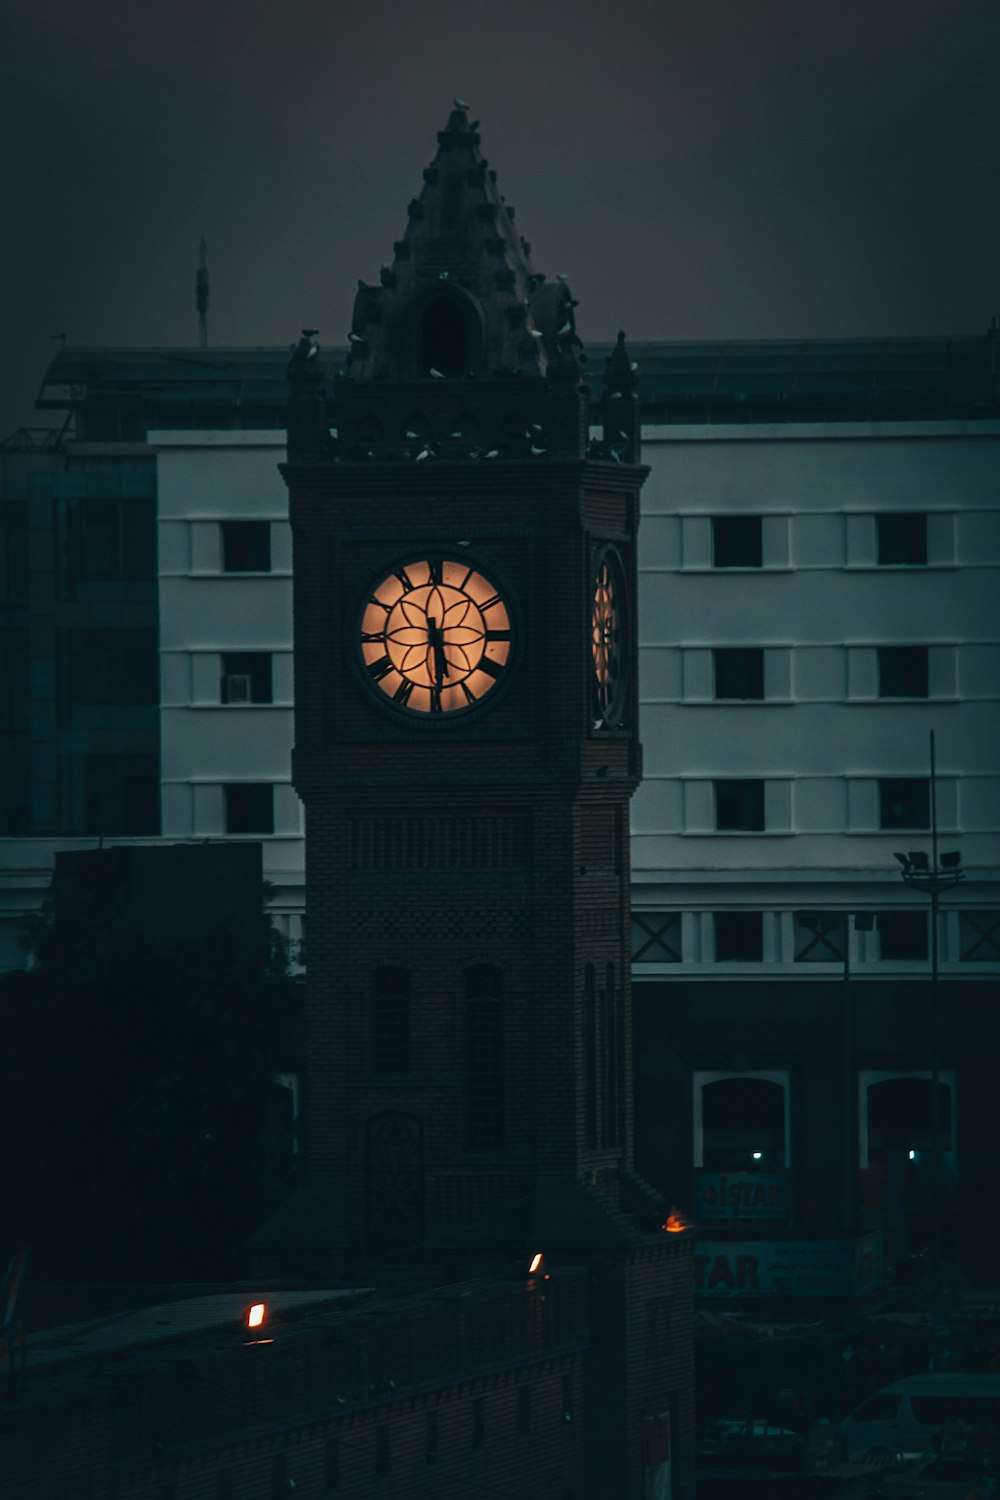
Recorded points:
536,1261
255,1315
675,1222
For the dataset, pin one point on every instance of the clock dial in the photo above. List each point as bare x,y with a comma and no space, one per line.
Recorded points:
608,640
435,636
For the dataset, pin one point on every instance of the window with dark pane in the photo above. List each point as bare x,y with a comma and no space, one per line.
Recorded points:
118,666
979,937
246,546
902,672
902,538
121,794
484,1057
739,936
739,672
740,1117
590,1050
656,937
250,807
392,1020
903,935
736,541
739,806
246,677
820,937
13,551
904,802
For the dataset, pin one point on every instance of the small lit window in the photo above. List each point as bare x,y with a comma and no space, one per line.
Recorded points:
739,936
902,539
902,672
902,935
979,937
904,802
250,807
739,672
739,806
246,546
736,541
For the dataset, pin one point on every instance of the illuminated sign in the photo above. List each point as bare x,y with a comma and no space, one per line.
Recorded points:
750,1196
788,1268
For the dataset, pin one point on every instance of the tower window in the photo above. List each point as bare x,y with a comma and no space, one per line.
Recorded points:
902,539
739,806
392,1020
979,937
739,936
250,807
443,338
736,541
739,672
484,1057
905,802
902,672
246,546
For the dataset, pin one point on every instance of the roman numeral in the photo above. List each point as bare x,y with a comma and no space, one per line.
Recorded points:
498,635
470,696
491,668
466,578
368,636
402,693
404,579
490,603
435,567
435,700
378,669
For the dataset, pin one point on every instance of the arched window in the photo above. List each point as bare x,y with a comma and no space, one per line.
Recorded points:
484,1058
743,1123
442,341
392,1020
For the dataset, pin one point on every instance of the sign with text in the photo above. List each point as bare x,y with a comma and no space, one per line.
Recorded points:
750,1196
789,1268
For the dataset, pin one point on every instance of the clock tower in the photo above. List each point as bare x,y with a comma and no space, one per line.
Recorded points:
466,748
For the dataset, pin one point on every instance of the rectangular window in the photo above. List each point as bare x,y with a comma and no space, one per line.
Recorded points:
979,937
736,542
904,802
479,1422
739,936
739,806
331,1466
902,539
246,546
523,1410
819,937
392,1020
656,937
246,677
121,794
15,677
902,672
114,666
116,539
739,672
13,551
250,807
902,935
431,1438
382,1450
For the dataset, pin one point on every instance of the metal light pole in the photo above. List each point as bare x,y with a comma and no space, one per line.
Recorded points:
934,878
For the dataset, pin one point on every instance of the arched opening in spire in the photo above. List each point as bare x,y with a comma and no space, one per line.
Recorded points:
446,336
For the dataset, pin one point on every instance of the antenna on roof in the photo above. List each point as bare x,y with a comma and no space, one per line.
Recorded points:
201,293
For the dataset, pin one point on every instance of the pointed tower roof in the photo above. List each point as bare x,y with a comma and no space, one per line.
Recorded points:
461,299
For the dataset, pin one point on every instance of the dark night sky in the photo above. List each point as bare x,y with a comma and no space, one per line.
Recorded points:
722,169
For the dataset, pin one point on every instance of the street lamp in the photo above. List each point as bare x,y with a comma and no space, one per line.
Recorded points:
934,878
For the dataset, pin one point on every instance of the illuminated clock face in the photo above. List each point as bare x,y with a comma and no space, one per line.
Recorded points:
608,640
435,636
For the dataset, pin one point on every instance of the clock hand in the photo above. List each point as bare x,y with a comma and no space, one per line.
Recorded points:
436,641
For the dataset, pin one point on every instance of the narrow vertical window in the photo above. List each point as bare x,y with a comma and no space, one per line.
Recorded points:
431,1438
392,1020
331,1466
479,1422
382,1450
590,1052
484,1057
523,1410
